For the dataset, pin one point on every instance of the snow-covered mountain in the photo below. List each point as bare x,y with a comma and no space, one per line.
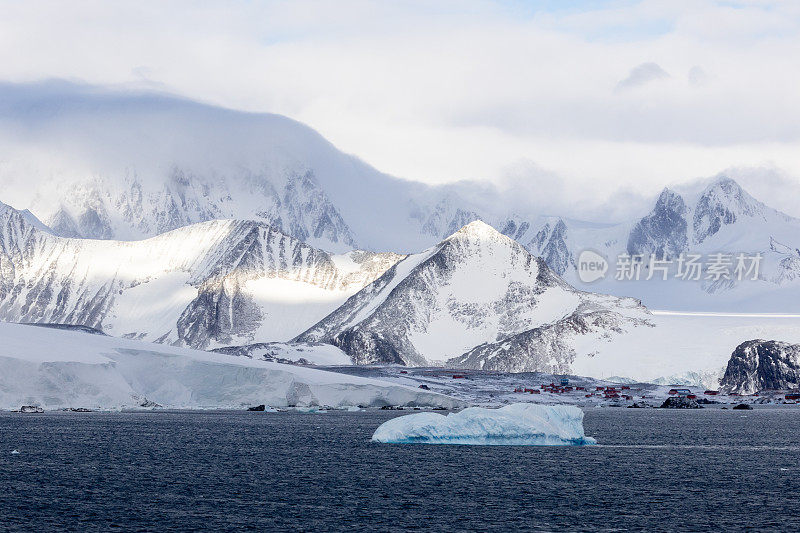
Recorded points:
720,218
209,284
129,166
115,164
723,217
478,299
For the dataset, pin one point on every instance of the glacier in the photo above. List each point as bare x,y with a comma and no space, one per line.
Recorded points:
515,424
60,369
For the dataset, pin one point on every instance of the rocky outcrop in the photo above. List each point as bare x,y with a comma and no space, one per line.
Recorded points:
762,364
680,402
515,228
71,327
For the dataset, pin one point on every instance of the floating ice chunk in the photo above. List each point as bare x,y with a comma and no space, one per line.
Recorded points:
15,452
310,409
516,424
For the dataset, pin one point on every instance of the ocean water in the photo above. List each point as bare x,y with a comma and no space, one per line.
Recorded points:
653,470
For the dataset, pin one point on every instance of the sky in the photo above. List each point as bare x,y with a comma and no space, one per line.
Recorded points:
590,95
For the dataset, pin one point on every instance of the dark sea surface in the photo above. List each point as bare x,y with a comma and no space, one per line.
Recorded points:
654,470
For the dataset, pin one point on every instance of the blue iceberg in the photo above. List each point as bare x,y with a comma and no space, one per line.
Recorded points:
516,424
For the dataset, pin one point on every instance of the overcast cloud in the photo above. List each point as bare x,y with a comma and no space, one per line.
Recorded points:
643,74
606,96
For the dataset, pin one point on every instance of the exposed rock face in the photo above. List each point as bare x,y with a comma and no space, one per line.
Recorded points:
476,300
664,231
63,224
760,364
550,243
515,228
223,308
306,213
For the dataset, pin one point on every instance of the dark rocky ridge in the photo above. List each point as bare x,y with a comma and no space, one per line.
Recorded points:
69,327
762,364
664,231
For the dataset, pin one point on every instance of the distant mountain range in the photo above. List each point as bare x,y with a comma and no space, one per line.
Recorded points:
127,166
219,283
477,299
181,223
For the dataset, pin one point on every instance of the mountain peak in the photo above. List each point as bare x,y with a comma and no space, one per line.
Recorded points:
722,203
479,229
725,185
726,193
669,199
23,217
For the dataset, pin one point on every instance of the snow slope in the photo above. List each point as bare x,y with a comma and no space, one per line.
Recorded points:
56,369
516,424
208,284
